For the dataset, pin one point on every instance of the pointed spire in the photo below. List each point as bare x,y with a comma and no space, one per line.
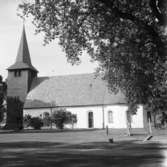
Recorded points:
23,54
23,60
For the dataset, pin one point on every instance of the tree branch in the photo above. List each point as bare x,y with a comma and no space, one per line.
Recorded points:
138,22
156,12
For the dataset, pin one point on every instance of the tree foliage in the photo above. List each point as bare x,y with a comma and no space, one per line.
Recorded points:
3,88
36,123
46,119
26,120
126,37
61,117
14,113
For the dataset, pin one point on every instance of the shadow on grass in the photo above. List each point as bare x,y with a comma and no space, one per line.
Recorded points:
96,154
3,131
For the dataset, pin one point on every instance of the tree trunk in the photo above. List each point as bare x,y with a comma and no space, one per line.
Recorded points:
128,116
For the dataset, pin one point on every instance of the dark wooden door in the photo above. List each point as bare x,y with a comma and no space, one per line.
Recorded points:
90,120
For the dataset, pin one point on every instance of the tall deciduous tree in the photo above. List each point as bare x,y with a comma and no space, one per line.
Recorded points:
126,37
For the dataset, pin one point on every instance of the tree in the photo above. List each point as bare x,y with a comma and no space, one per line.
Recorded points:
14,113
61,117
3,88
126,37
46,119
26,120
73,119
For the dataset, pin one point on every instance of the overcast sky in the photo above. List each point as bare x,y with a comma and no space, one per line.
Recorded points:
49,60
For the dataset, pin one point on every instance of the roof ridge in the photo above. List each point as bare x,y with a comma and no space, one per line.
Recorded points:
64,75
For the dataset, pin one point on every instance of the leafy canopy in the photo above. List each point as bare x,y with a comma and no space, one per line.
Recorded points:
126,37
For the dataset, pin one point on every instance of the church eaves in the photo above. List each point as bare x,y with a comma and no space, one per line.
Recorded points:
23,60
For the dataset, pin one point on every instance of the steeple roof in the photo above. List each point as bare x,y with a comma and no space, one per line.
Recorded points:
23,60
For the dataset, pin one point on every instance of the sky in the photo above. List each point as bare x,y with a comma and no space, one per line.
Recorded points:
49,60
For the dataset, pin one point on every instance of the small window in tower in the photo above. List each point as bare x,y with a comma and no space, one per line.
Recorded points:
110,117
17,73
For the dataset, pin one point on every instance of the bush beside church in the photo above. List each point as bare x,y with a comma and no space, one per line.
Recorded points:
59,119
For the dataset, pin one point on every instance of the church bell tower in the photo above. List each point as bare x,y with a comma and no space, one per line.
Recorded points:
22,72
20,77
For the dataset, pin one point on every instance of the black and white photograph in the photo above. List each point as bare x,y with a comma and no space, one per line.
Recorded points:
83,83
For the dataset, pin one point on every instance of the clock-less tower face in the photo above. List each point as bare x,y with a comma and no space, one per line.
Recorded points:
19,83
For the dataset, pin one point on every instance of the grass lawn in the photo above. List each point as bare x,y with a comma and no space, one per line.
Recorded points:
80,149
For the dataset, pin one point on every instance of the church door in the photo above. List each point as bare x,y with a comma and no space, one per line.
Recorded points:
90,119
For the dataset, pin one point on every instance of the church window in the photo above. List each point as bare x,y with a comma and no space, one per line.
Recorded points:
110,117
90,119
17,73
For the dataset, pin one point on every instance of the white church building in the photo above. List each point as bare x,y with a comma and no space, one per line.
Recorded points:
85,95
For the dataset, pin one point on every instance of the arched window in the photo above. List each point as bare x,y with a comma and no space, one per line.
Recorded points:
110,117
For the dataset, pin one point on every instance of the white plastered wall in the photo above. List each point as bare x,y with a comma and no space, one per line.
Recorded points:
119,116
81,112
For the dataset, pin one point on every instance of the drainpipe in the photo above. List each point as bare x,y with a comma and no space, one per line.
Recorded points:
51,116
103,108
52,104
103,116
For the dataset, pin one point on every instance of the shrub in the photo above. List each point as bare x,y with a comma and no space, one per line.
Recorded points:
46,119
61,117
2,111
73,119
26,120
36,123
